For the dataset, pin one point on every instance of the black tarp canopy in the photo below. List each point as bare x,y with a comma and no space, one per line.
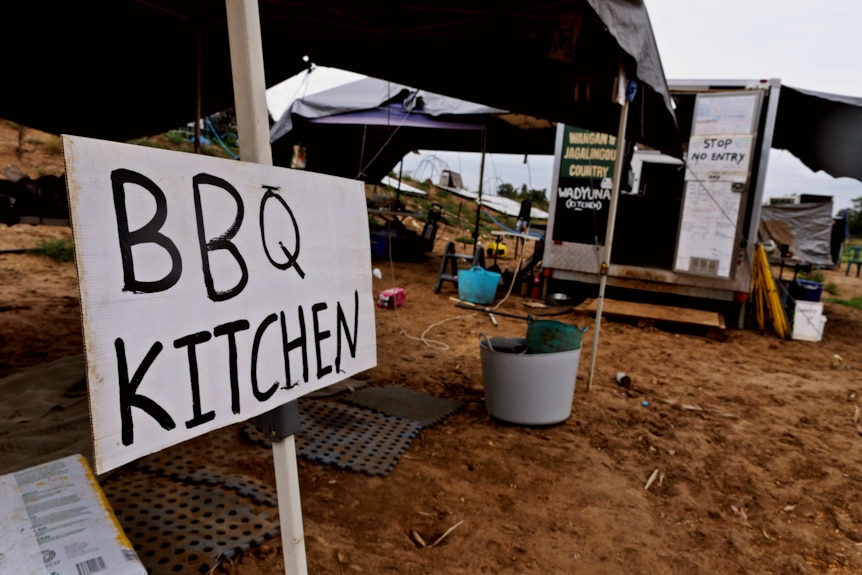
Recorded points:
120,69
823,130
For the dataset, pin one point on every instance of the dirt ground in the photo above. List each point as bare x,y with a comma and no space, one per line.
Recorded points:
752,444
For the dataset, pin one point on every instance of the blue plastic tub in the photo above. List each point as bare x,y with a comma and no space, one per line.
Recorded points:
380,245
806,290
478,285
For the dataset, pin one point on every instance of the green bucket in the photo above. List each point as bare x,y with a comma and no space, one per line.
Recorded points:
549,336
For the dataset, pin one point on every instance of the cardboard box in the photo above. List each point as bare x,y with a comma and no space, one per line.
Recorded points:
391,298
57,521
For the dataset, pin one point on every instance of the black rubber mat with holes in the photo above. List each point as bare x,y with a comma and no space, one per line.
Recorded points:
404,403
347,437
184,529
342,386
180,469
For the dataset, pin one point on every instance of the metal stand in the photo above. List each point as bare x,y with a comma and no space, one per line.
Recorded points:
450,259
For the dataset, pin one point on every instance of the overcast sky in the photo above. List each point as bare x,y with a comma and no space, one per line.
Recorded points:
809,45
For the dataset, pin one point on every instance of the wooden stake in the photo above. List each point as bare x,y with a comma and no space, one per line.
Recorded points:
651,479
448,531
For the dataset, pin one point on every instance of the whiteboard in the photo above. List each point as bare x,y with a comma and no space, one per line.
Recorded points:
709,218
718,168
733,113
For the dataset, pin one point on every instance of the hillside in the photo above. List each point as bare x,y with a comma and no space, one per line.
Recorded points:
28,152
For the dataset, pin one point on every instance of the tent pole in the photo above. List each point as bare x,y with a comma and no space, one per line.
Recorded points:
198,83
398,189
362,152
246,52
479,200
609,235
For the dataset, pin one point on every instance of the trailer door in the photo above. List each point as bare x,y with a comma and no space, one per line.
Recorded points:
717,181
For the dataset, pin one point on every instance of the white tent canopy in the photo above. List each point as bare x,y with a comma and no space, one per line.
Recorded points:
499,204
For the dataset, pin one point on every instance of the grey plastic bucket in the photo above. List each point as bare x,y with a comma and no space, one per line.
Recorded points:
529,389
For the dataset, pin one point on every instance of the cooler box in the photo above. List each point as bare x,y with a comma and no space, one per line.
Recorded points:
808,321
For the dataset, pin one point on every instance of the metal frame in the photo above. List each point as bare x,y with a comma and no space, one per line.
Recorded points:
578,262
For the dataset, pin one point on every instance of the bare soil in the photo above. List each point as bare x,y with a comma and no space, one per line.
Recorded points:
752,443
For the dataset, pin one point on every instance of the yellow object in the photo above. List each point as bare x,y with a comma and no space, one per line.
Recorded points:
500,248
766,299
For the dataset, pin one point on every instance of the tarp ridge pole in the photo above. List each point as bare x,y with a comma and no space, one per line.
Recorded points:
252,117
609,235
198,82
479,199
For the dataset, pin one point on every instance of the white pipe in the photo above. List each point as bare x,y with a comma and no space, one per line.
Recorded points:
609,235
249,82
252,118
289,506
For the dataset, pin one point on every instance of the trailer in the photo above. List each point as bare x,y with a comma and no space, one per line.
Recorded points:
684,229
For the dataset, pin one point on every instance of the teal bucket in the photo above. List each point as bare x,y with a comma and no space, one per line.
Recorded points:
478,285
549,336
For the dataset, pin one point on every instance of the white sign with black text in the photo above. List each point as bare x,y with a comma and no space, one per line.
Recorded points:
719,158
212,290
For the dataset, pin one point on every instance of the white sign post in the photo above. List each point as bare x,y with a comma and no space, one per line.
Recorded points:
212,291
252,118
